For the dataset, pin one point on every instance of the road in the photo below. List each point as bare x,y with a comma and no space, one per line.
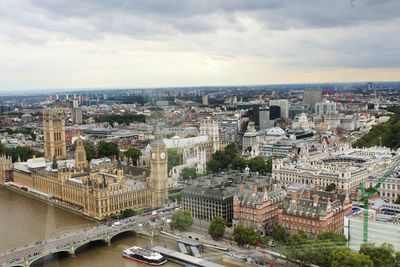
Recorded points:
378,232
30,252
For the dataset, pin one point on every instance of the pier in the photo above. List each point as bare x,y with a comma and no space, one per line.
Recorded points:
184,259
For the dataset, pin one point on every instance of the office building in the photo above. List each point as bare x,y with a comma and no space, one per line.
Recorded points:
284,106
264,118
310,97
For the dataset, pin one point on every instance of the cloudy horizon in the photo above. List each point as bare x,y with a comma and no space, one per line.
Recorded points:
130,43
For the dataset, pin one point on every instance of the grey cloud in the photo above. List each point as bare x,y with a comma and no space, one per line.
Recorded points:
195,26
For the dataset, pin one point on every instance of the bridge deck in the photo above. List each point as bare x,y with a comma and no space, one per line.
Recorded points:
69,243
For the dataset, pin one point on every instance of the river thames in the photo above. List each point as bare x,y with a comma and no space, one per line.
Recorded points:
25,220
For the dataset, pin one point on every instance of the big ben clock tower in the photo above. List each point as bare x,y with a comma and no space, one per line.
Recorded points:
159,171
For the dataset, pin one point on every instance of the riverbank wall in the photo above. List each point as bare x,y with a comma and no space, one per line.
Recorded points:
48,201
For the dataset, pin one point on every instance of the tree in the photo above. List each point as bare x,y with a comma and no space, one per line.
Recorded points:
174,158
257,164
397,257
134,154
397,200
121,119
268,164
90,152
214,165
239,163
188,173
128,213
321,249
108,149
182,220
330,187
217,227
245,235
170,135
279,233
381,256
344,257
297,248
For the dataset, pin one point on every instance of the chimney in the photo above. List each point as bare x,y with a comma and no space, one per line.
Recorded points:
307,194
255,189
315,200
316,187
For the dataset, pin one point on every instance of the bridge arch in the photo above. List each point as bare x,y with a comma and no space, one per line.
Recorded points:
42,256
121,232
78,247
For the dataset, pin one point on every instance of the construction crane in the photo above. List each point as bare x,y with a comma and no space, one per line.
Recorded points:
366,194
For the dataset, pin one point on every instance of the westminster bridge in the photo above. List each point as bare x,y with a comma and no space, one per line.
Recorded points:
71,242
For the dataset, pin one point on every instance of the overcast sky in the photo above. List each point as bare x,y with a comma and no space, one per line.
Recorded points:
129,43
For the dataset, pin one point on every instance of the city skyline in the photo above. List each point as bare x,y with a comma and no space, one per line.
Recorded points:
98,44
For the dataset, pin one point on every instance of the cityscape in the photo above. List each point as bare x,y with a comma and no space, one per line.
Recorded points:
199,134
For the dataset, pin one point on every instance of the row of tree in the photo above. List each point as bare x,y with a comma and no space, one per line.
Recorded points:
111,150
328,249
121,119
22,153
229,159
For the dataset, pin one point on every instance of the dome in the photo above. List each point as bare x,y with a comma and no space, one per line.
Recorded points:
275,131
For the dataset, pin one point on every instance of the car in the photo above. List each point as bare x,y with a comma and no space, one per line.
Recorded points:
117,223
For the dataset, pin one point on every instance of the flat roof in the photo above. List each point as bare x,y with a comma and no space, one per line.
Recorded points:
187,258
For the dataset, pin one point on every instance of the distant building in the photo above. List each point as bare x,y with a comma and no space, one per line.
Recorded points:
264,118
205,100
314,212
322,108
284,106
162,103
274,112
76,115
249,139
310,97
210,127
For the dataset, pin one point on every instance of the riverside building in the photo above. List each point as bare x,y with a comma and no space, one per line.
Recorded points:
97,192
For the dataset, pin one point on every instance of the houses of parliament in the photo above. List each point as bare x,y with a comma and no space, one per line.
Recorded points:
95,191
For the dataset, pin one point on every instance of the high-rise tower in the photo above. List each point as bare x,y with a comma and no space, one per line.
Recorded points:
54,134
158,181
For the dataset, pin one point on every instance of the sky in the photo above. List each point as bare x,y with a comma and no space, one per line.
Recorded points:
169,43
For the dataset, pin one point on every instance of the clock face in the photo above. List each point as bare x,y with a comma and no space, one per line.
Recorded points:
153,155
162,155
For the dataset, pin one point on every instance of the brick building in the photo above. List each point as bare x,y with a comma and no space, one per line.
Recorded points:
257,208
314,212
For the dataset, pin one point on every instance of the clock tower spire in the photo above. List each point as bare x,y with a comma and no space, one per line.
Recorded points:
159,170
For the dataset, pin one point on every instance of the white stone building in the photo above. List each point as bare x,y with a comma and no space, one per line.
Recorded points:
347,168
